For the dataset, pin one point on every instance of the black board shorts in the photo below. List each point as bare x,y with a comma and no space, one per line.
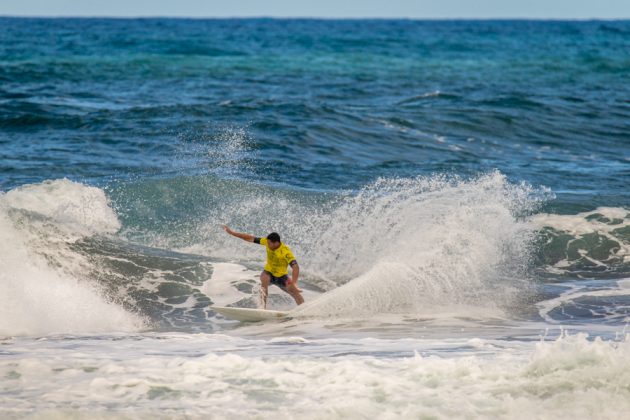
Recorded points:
281,281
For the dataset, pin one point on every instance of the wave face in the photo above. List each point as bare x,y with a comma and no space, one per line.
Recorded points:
395,246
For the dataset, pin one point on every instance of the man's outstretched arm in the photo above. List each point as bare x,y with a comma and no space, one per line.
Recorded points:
244,236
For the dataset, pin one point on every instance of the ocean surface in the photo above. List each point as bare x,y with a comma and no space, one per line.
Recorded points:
456,193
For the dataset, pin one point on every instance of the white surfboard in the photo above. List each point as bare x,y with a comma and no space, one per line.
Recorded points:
249,314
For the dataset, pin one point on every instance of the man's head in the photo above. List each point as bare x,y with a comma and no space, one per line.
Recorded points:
273,240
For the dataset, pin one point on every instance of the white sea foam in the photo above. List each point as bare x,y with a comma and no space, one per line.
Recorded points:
572,377
582,223
38,297
222,285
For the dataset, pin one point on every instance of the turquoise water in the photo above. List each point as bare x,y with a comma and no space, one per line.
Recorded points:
456,193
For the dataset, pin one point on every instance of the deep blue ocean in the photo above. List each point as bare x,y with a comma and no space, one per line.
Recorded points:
456,192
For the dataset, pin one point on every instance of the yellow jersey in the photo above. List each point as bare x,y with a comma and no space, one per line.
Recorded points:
278,259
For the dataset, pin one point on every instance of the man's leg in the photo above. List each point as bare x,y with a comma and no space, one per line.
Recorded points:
295,293
265,278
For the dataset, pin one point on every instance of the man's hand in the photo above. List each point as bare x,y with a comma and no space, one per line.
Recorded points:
244,236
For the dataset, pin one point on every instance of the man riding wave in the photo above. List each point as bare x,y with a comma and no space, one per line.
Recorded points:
279,257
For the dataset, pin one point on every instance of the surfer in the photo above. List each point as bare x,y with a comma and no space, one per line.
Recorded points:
279,256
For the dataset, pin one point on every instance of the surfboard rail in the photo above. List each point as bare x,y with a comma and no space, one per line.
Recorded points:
249,314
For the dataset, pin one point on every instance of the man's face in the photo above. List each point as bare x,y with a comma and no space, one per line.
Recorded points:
273,245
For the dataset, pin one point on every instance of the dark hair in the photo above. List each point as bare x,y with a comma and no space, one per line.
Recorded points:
273,237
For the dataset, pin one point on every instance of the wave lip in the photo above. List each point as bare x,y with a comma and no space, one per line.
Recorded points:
70,205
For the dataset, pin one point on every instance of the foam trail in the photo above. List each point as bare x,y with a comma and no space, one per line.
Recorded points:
38,298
